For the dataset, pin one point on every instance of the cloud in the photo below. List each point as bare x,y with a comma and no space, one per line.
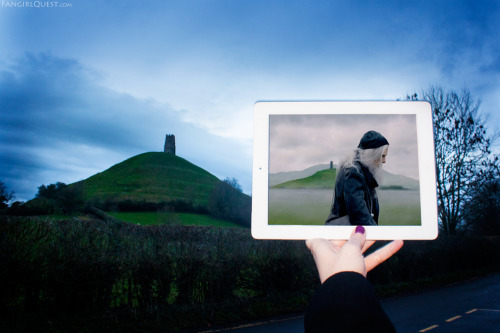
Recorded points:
299,142
197,70
60,124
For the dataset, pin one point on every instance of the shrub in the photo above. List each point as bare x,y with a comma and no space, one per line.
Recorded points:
110,275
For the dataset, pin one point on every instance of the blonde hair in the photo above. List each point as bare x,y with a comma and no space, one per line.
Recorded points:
371,158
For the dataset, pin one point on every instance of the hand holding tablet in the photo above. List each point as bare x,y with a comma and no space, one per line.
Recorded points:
332,257
351,163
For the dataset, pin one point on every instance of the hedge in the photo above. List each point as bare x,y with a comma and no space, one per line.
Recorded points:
107,275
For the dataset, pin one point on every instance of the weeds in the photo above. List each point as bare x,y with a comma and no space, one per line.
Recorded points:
95,274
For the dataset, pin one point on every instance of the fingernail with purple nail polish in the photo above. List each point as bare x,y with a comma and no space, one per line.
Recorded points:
360,229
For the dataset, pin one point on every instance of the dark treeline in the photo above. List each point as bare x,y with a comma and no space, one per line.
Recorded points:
112,276
225,202
178,206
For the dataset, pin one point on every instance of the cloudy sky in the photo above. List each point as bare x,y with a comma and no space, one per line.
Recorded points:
299,142
86,84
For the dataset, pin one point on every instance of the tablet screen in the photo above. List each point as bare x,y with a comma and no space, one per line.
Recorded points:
321,168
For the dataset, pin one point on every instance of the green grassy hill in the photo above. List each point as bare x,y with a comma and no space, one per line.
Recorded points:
326,179
165,184
321,179
152,177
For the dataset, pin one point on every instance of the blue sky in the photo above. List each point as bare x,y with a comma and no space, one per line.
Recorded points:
90,83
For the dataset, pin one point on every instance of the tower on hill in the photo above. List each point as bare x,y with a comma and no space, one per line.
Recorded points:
169,144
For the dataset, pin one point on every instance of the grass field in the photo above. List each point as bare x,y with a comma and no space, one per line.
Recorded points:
399,207
152,177
311,207
156,218
320,180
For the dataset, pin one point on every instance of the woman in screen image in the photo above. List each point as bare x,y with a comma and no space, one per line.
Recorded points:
346,301
355,196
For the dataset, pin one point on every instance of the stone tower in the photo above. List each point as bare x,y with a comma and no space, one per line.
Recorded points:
169,144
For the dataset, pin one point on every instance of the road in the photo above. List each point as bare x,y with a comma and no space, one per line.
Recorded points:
471,306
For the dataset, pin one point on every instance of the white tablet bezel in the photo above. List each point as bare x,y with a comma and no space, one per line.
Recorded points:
426,166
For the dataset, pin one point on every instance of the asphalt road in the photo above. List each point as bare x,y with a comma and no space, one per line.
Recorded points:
471,306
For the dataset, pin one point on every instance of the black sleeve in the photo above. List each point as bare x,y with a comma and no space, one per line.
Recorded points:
354,196
346,302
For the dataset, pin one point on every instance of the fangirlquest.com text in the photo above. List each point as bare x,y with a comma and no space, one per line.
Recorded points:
35,4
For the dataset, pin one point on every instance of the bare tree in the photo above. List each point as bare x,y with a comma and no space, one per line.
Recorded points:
228,202
464,160
5,196
482,211
233,182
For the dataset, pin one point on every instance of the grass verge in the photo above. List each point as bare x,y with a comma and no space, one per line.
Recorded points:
160,218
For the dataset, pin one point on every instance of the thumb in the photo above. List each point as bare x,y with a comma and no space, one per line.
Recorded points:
351,257
358,237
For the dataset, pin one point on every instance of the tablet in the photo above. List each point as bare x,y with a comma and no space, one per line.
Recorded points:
305,152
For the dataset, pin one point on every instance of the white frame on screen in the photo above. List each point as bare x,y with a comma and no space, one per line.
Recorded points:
426,165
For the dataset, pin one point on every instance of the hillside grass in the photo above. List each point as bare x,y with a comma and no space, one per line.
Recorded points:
312,206
307,201
152,177
161,218
321,179
399,207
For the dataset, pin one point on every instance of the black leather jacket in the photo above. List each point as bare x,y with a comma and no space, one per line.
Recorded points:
355,195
